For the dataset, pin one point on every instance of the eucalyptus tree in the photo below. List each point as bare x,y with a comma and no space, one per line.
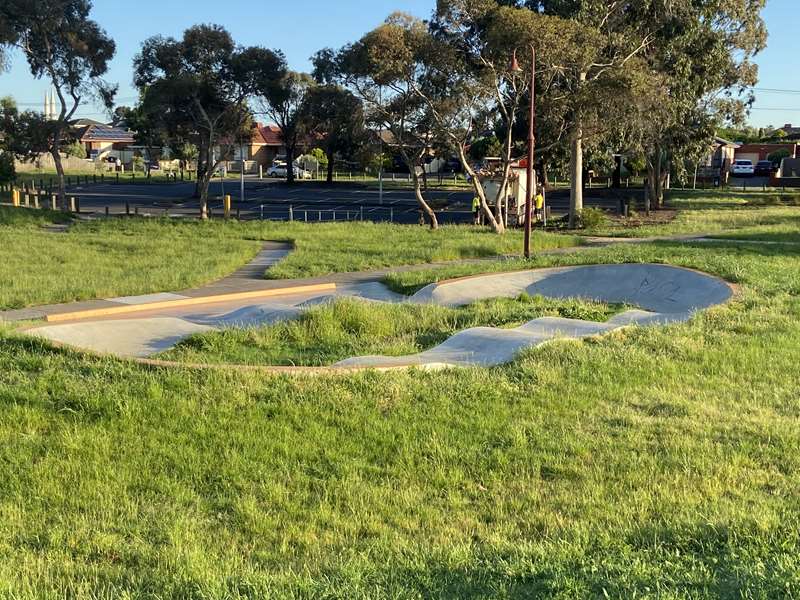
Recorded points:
201,86
63,45
149,129
384,69
335,116
577,87
283,100
699,55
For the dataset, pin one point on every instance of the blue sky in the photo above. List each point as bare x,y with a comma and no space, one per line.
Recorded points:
301,28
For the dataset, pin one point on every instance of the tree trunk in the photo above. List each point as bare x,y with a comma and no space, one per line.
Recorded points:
544,179
576,167
203,185
658,189
330,154
202,166
576,177
290,163
479,192
424,206
63,203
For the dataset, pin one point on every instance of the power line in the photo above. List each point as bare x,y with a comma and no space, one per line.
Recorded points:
779,109
776,91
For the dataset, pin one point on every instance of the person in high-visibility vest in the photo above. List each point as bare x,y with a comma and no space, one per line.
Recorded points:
476,210
539,206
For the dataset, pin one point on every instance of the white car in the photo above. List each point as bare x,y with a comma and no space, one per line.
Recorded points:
279,170
743,168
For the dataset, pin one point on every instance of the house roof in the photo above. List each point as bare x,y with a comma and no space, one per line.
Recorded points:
267,135
83,122
105,133
723,142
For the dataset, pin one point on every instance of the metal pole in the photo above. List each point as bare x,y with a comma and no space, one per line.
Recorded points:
241,177
380,141
531,183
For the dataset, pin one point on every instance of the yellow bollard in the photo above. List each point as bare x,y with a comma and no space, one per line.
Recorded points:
227,206
14,197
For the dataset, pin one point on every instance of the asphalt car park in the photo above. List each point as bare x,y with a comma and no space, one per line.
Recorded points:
304,201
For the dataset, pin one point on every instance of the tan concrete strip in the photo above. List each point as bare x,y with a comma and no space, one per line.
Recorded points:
167,304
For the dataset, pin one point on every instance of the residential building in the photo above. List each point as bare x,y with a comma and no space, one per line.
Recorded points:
102,139
757,152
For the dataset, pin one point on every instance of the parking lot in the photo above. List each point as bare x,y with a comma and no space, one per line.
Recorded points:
304,201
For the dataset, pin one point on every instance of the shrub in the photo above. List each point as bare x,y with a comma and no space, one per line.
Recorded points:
593,218
7,171
75,149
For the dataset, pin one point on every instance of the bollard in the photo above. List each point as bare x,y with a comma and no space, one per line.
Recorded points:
260,172
53,201
226,204
27,200
107,212
36,201
391,215
361,211
291,213
305,216
117,174
72,204
14,197
238,214
261,207
319,216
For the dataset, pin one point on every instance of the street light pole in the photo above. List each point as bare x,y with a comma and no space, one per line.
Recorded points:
531,181
380,141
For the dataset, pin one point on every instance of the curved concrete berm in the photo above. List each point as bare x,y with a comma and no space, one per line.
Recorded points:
661,294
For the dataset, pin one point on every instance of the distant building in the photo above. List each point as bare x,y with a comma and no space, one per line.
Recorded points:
790,130
100,139
757,152
717,164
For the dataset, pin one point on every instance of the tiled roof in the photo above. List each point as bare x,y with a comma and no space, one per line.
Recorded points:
104,133
269,135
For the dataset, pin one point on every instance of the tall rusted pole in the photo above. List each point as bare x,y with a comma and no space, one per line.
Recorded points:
530,185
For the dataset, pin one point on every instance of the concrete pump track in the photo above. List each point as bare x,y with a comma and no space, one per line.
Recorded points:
661,294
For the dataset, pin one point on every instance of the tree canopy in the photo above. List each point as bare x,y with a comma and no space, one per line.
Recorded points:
200,86
62,44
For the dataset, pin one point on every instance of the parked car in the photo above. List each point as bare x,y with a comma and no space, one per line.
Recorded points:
743,168
279,170
765,167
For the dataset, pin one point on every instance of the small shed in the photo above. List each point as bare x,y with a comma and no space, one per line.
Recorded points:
514,200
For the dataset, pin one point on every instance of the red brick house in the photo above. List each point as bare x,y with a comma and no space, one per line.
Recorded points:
757,152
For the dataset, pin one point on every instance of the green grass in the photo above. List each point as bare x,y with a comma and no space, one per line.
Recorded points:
740,214
331,248
659,462
328,334
99,259
653,462
107,258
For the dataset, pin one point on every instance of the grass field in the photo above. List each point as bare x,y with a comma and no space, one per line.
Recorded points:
138,256
652,462
347,328
736,214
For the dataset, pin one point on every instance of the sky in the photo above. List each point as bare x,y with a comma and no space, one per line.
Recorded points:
302,28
